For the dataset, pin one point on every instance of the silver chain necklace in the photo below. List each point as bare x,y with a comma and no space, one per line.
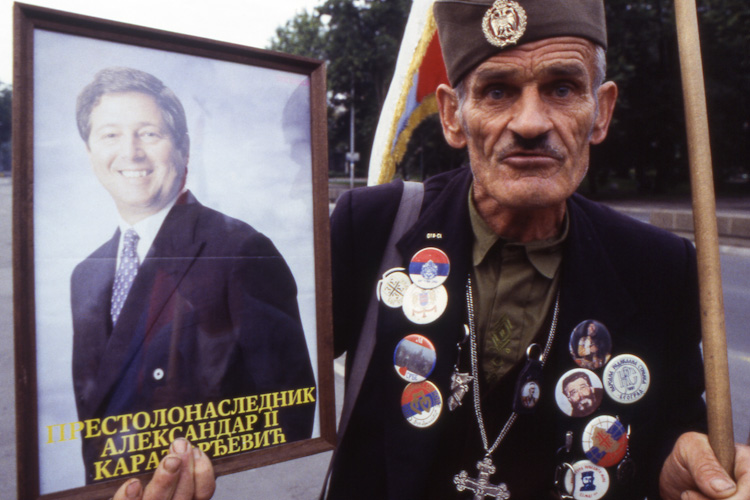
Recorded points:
482,486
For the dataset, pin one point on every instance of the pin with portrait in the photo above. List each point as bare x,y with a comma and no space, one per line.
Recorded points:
590,344
529,383
579,392
587,481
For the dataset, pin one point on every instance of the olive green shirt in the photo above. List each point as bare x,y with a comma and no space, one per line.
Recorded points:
514,291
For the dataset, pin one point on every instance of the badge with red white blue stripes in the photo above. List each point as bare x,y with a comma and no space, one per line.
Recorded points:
421,403
429,268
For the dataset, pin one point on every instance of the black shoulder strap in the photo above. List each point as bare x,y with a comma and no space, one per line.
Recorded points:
408,211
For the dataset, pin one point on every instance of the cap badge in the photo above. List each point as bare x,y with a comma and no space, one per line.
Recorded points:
504,23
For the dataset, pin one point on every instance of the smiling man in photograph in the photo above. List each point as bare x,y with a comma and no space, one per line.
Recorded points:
183,305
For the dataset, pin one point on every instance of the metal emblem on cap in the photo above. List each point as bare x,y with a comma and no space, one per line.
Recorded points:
504,23
421,403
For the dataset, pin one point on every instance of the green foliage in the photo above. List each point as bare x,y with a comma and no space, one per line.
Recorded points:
359,39
647,140
302,36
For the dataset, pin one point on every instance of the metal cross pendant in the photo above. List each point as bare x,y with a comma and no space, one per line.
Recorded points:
481,486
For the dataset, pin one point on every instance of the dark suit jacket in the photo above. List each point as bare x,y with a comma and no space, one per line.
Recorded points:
637,280
212,314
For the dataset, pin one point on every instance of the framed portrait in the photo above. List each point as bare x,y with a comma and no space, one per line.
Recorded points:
171,253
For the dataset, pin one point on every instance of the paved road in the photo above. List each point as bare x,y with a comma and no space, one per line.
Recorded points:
300,479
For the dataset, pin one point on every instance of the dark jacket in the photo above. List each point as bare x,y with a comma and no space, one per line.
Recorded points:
638,280
212,314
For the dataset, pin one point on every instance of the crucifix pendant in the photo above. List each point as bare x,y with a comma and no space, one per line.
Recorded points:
481,486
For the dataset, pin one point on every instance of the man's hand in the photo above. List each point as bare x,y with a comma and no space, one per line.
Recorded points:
185,474
692,472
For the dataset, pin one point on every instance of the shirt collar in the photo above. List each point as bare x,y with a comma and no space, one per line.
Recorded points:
544,255
147,230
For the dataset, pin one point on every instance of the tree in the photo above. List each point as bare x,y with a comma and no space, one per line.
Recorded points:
647,140
359,40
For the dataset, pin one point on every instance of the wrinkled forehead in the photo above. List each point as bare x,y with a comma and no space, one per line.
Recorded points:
557,58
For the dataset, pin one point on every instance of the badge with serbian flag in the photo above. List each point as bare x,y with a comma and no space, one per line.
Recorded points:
429,268
421,403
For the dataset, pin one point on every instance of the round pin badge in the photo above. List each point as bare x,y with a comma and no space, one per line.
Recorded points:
429,268
626,378
392,288
579,392
590,344
605,441
414,358
421,403
424,306
587,481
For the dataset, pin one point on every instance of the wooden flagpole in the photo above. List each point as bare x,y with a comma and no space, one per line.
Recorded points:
720,427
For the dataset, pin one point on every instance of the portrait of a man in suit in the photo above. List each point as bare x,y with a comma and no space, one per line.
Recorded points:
183,305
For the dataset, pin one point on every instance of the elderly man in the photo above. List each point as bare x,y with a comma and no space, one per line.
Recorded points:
505,250
183,305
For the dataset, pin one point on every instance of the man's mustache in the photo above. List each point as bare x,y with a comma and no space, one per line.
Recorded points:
537,146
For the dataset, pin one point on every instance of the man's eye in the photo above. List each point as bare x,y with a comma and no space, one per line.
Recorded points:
496,94
149,135
562,91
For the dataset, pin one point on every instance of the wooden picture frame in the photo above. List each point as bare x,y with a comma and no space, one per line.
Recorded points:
256,121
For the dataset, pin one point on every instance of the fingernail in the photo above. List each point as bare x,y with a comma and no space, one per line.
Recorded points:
172,464
180,446
133,489
721,484
197,453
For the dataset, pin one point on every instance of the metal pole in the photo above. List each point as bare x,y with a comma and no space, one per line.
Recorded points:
351,138
718,398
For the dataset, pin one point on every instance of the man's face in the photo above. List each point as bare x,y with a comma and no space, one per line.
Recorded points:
579,394
528,118
134,155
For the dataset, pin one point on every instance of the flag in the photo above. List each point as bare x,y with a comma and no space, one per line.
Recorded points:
411,96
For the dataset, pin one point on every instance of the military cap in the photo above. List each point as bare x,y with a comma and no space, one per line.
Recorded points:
473,30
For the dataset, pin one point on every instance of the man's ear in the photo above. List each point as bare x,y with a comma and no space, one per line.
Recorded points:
449,109
607,94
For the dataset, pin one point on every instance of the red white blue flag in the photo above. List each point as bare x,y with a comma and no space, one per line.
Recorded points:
411,96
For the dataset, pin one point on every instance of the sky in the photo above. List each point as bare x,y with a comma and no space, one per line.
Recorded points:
245,22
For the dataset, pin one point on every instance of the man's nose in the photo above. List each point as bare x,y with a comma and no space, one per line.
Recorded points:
131,148
530,118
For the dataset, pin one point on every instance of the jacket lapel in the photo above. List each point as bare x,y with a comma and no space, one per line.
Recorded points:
173,252
590,286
